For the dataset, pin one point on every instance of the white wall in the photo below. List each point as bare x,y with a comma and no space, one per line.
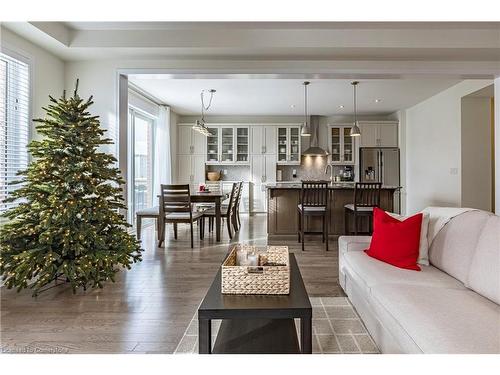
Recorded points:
433,148
476,153
400,116
98,78
47,71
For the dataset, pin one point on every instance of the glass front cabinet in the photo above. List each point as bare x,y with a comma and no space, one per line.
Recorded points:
242,145
341,144
289,146
213,145
227,144
227,152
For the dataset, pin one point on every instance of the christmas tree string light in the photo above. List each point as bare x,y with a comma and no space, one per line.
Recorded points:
67,223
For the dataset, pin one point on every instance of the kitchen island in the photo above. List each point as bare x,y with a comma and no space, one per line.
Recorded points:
283,198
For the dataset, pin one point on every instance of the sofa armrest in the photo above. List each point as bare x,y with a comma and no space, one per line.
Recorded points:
353,243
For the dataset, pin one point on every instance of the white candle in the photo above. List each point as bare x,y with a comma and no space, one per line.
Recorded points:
241,257
253,259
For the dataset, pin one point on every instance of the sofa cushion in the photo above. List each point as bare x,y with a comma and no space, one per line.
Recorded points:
423,248
441,320
484,273
453,247
394,241
353,243
370,272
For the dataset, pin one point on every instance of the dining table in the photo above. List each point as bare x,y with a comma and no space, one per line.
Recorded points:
211,197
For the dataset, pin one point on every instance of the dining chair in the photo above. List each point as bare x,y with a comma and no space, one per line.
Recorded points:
175,208
236,212
227,212
147,213
313,202
366,197
237,220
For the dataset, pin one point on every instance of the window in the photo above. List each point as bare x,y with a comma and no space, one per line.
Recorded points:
14,123
141,167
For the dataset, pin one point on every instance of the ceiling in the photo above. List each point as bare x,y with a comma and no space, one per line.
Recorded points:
286,96
176,25
486,92
473,47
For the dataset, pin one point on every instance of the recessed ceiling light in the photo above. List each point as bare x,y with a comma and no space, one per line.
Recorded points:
292,106
378,100
341,106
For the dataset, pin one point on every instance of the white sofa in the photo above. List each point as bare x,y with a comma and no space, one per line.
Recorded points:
451,306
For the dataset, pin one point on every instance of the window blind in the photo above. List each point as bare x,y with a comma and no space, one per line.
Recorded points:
14,123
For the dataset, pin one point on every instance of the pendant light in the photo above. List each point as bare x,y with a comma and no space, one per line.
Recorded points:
355,130
310,129
306,130
200,125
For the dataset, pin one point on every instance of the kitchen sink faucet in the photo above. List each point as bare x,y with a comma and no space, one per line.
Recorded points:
331,172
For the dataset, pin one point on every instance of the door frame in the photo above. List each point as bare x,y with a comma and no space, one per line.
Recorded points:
134,112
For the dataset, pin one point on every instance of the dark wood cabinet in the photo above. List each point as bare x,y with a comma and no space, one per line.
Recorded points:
282,210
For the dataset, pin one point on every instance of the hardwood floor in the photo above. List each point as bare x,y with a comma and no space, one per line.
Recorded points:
149,307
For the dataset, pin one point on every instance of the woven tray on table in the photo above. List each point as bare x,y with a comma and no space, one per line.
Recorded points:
257,279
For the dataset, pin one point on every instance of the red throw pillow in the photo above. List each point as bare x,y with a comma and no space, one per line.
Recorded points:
395,242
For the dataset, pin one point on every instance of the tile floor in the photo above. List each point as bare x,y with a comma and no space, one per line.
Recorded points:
337,329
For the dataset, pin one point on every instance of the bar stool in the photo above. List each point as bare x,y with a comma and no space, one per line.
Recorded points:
313,202
366,197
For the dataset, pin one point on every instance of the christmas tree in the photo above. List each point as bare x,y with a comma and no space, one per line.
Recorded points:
67,224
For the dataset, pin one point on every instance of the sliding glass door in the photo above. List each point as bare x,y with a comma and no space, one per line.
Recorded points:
140,166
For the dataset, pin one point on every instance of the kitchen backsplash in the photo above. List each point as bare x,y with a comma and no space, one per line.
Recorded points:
310,169
233,172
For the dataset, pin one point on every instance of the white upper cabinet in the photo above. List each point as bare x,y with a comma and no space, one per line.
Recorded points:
184,147
369,135
242,144
263,139
227,145
190,169
190,141
342,145
288,145
213,145
379,134
388,135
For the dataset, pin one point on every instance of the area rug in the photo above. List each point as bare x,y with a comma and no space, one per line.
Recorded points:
337,329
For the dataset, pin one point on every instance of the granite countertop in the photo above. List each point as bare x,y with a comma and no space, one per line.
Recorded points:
334,185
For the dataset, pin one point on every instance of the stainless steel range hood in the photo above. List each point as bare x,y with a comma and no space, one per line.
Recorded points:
314,149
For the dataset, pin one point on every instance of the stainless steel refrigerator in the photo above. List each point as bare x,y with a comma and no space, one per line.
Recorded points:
380,164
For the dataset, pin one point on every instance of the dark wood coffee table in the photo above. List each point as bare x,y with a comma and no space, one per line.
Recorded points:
257,323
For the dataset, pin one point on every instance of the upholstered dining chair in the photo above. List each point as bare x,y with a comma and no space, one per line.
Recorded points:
236,221
175,208
147,213
227,212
